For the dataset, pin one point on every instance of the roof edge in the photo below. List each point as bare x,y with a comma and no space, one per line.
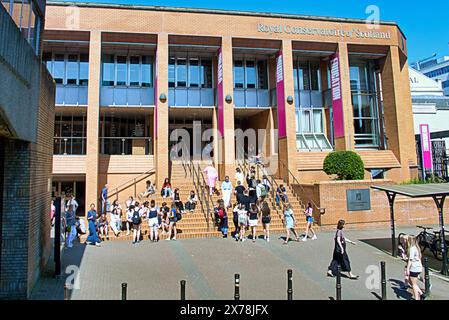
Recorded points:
217,11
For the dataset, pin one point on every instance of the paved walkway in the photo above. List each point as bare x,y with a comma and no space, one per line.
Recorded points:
153,270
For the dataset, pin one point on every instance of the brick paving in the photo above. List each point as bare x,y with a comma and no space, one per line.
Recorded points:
153,270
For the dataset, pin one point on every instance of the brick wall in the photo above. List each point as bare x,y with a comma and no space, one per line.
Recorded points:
332,196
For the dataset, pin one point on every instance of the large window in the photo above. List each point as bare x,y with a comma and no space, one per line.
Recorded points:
190,72
129,71
365,103
250,73
68,69
70,135
310,129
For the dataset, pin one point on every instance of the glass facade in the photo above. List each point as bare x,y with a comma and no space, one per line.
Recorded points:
127,80
309,107
364,94
70,135
125,135
251,82
71,74
190,80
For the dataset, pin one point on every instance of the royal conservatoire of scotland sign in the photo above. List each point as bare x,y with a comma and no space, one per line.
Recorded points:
330,32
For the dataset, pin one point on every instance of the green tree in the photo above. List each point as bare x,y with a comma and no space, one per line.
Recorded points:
347,165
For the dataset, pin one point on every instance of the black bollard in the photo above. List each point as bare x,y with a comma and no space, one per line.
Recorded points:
383,280
124,290
183,290
338,286
236,286
289,284
426,276
66,292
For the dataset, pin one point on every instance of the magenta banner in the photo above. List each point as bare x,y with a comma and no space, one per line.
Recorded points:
220,94
337,101
426,147
156,99
280,94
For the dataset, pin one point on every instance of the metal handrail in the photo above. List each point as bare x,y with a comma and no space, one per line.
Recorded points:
297,182
134,180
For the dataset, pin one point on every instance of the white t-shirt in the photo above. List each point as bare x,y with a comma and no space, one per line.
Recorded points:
414,257
239,177
129,215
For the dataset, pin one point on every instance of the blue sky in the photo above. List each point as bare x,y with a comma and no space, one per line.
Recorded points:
425,24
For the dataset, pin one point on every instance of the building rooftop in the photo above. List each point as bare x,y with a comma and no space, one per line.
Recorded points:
215,11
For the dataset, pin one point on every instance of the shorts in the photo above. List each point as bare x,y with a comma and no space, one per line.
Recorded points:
266,220
243,221
136,226
414,274
153,222
253,223
309,219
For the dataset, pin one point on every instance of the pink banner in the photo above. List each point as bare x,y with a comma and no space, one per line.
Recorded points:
426,147
156,98
280,94
337,101
220,94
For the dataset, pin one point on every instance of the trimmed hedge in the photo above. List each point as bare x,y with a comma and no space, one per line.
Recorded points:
347,165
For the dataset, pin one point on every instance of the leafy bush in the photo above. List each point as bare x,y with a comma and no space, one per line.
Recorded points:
429,179
347,165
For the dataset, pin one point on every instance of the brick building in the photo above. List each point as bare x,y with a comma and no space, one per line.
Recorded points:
127,76
26,128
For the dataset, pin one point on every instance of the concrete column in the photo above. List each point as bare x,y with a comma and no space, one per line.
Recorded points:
161,154
287,145
93,121
398,112
346,142
227,144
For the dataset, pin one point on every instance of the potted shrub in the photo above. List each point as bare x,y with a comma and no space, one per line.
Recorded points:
346,165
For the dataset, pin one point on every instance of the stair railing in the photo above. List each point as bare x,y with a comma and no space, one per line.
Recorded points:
207,197
134,181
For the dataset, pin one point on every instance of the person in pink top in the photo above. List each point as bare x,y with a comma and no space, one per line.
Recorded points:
212,176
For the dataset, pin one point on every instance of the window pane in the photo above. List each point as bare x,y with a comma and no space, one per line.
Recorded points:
305,122
295,75
25,22
250,74
121,71
318,121
171,72
147,71
134,71
206,73
315,76
108,70
84,69
58,68
181,72
262,74
363,126
72,69
304,80
363,106
46,58
32,33
194,75
239,77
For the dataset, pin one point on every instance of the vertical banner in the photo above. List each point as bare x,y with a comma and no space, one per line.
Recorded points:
337,101
426,148
280,94
220,94
156,98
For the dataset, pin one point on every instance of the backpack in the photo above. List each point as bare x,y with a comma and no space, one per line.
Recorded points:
263,190
221,213
178,216
136,217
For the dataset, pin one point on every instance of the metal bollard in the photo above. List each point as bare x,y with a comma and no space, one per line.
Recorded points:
236,286
338,286
426,276
66,292
183,290
383,280
124,291
289,284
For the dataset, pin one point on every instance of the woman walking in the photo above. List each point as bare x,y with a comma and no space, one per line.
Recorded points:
253,214
212,176
340,256
70,226
266,219
243,221
290,222
414,267
172,219
137,222
309,220
92,218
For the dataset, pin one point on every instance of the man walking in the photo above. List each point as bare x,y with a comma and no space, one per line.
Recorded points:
104,198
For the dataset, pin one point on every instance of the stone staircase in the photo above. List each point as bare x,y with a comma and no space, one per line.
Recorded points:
194,225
